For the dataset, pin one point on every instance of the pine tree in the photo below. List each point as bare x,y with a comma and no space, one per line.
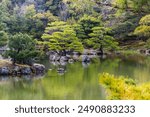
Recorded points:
84,28
100,39
22,48
60,37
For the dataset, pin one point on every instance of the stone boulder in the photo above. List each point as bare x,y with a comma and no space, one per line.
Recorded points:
4,71
70,61
63,58
16,70
26,70
38,68
54,57
85,58
75,57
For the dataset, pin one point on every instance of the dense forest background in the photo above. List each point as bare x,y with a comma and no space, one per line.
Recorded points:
61,25
40,37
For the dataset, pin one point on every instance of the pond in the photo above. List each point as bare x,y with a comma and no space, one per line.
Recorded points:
76,81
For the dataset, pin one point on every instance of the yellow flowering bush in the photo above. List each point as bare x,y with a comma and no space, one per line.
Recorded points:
121,88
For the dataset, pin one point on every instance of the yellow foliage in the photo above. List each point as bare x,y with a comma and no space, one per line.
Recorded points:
145,20
144,29
121,88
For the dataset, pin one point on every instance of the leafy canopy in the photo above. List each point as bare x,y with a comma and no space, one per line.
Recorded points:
101,39
84,27
143,30
22,48
3,38
59,36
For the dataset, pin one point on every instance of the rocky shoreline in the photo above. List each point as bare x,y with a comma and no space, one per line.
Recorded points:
7,68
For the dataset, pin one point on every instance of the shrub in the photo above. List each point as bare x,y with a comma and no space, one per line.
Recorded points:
122,88
22,48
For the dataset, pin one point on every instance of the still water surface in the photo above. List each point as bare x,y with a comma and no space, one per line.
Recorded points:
80,81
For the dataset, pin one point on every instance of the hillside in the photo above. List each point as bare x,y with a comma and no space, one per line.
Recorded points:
106,25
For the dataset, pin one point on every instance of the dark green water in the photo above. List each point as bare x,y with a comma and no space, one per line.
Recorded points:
80,81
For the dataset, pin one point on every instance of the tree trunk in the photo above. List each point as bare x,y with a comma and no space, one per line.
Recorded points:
101,50
126,4
64,53
14,61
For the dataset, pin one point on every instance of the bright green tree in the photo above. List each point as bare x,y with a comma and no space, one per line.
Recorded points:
84,28
57,26
101,39
143,30
133,5
60,37
22,48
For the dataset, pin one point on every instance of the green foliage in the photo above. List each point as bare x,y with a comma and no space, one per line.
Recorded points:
14,18
123,29
135,5
81,17
78,9
4,13
84,28
3,38
38,23
101,39
60,37
46,17
53,6
141,5
87,23
144,29
93,35
17,24
30,11
22,48
33,25
147,43
145,20
129,53
121,88
122,3
56,26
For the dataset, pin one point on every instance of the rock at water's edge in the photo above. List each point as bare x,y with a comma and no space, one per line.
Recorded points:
38,68
4,71
7,68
